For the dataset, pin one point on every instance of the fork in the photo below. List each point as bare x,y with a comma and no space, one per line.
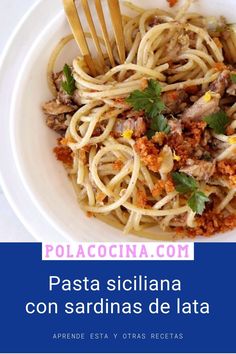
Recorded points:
79,34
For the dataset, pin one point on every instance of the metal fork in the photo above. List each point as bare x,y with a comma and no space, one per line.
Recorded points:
79,35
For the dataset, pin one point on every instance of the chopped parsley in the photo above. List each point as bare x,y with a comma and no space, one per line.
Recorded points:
158,124
183,182
197,202
187,184
217,121
149,101
233,78
69,84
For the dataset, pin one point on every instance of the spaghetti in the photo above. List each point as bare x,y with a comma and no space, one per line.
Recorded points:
152,142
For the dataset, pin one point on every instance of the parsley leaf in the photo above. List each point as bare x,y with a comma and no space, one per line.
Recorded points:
183,182
217,121
69,84
197,202
150,101
233,78
187,184
160,124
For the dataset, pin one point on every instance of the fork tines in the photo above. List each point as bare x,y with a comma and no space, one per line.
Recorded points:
78,32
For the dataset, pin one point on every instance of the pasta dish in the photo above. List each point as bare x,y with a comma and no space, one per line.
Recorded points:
152,142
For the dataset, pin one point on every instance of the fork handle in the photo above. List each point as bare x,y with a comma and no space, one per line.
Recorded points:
77,30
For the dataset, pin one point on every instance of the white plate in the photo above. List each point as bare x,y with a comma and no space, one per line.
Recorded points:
11,60
43,177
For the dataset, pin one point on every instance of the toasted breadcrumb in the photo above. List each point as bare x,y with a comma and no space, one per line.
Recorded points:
169,185
184,144
83,154
141,199
148,153
65,141
226,167
159,138
232,180
64,154
210,223
195,130
172,2
158,188
220,66
117,165
181,147
89,214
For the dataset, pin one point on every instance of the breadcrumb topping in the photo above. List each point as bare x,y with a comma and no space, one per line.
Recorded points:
117,165
148,153
169,185
64,154
220,66
141,199
161,185
83,154
210,223
159,138
158,188
172,2
184,144
227,169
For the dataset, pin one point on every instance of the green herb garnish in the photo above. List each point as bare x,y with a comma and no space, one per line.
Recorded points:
187,184
233,78
69,84
183,182
197,202
149,101
217,121
158,124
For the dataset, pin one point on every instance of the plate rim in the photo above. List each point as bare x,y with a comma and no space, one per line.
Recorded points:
4,180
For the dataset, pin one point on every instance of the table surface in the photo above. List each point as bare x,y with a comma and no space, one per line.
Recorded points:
11,229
